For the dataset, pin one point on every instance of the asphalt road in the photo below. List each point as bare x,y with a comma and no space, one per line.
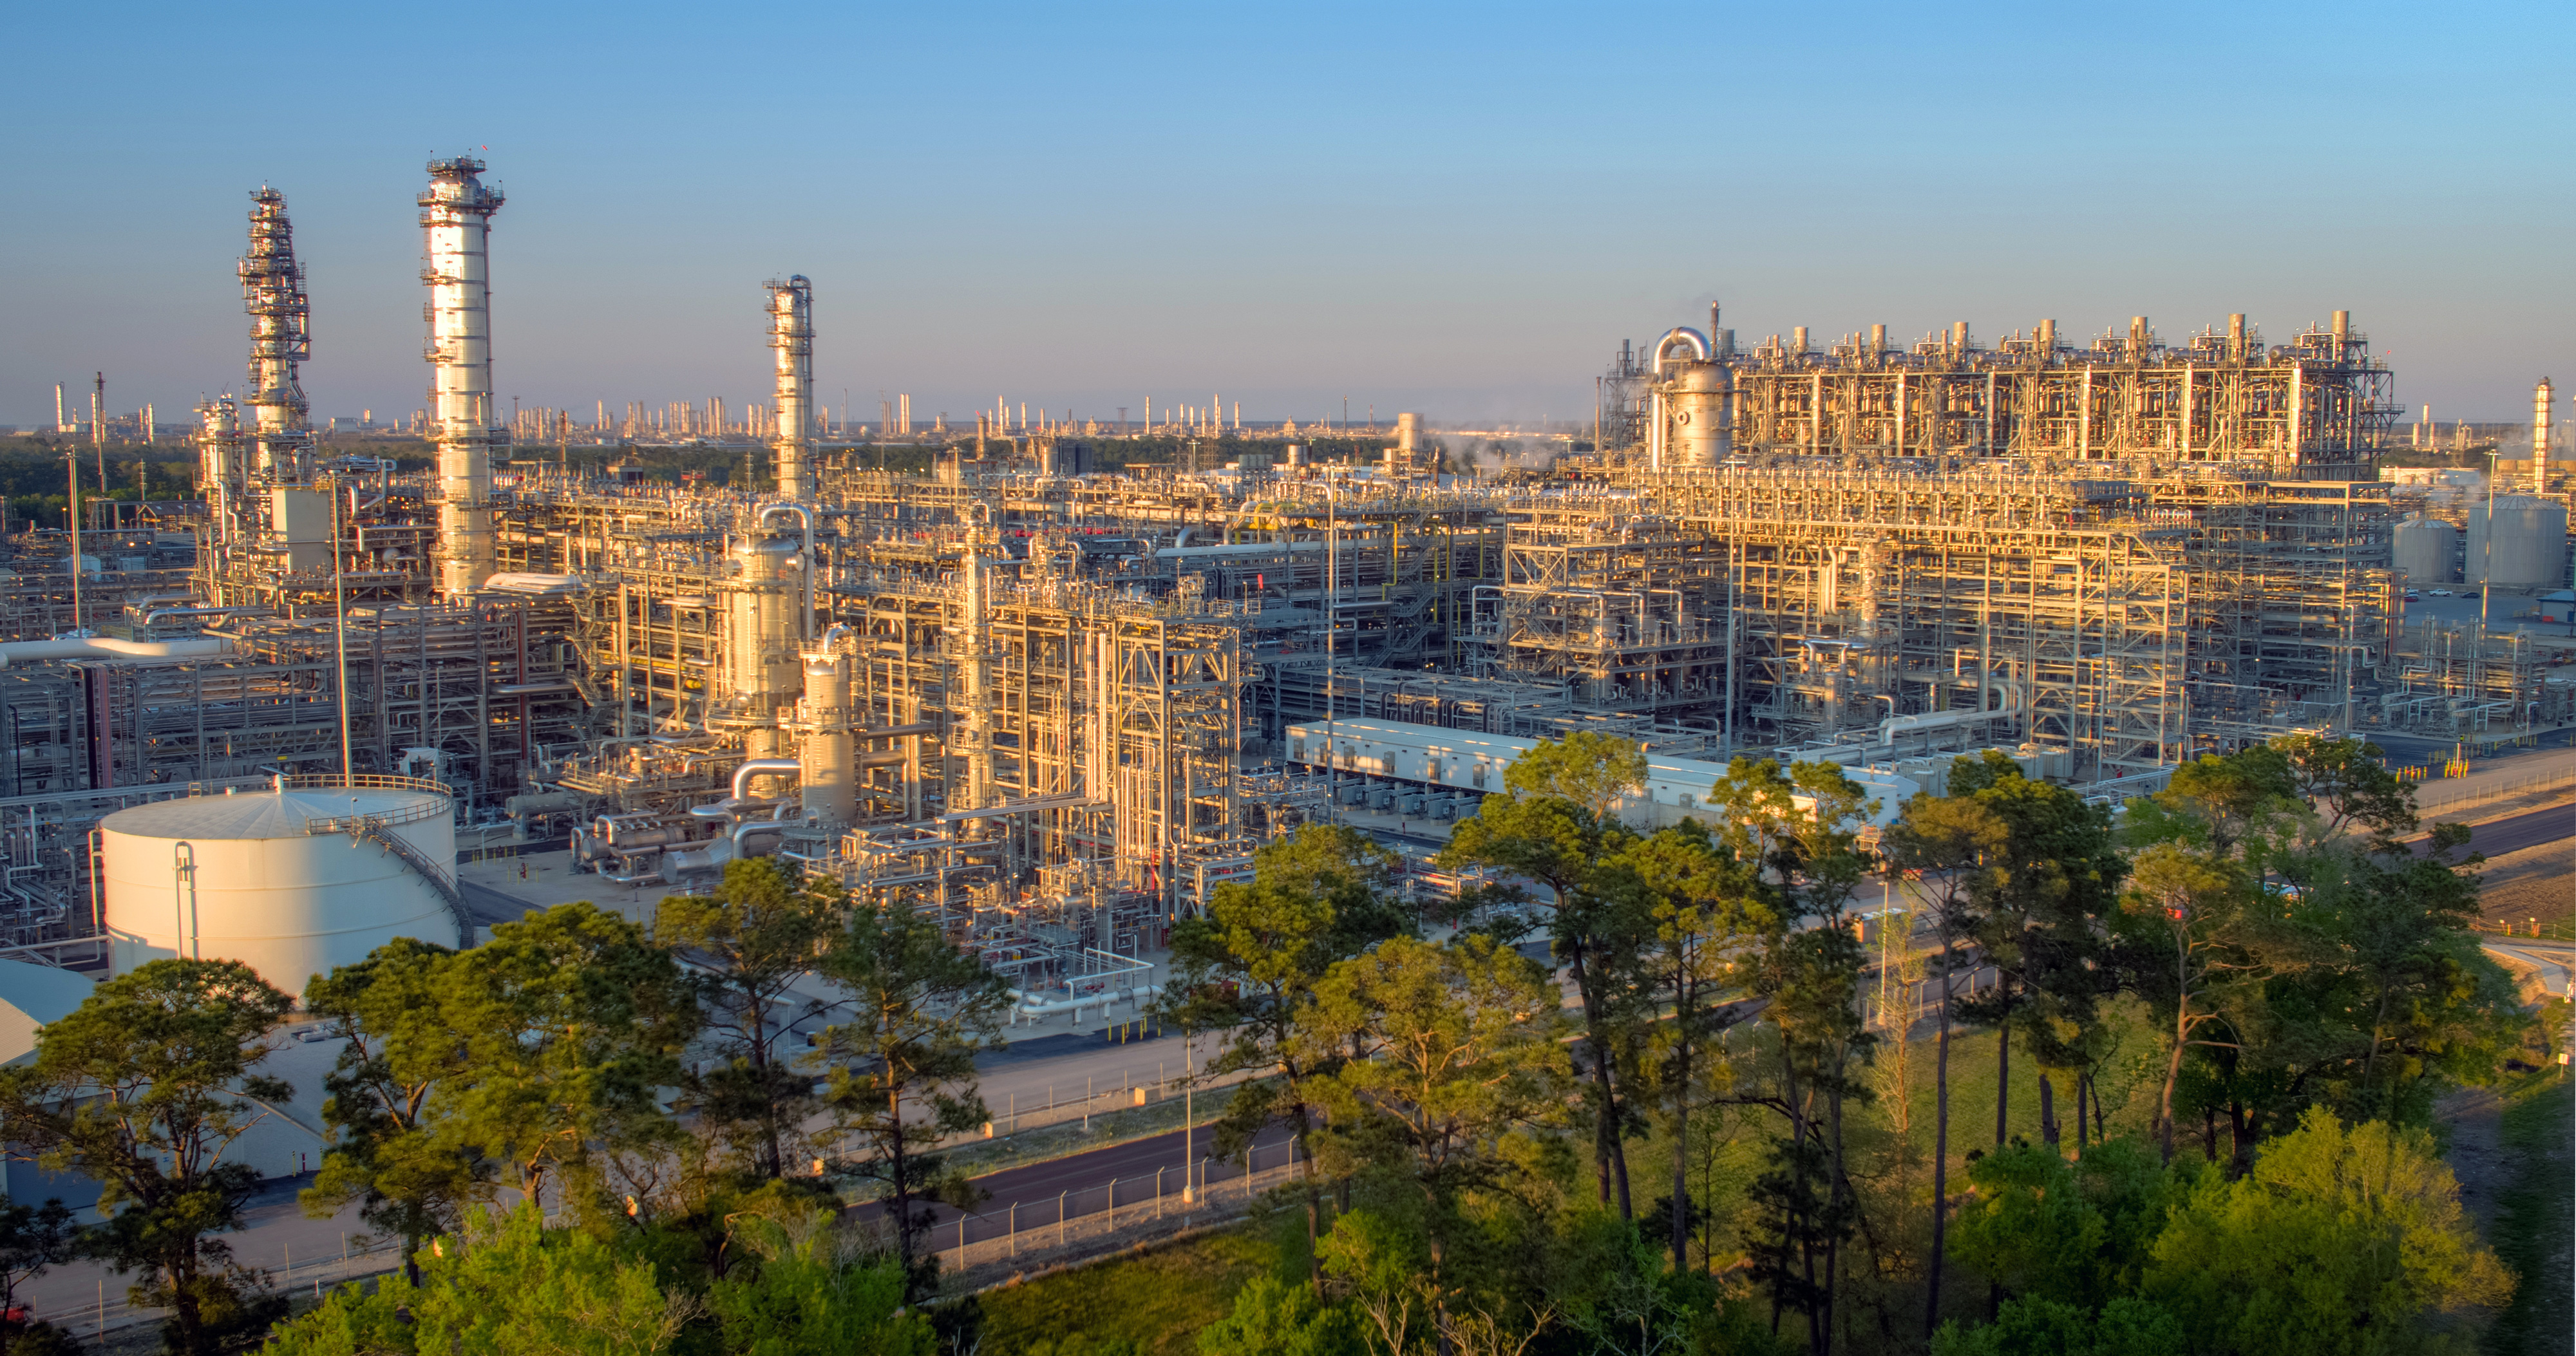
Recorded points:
1040,1195
2516,832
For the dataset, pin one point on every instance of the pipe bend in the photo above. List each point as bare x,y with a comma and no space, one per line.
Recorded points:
753,767
1680,334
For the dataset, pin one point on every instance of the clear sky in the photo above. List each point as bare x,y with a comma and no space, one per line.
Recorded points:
1454,208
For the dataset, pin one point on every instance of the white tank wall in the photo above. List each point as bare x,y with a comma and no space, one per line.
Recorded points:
2530,546
290,908
2424,551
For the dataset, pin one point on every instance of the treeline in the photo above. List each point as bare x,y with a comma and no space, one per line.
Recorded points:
2246,991
630,1081
1640,1092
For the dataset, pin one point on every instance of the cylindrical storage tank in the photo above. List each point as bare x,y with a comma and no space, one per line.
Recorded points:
273,879
2425,549
1698,403
2528,548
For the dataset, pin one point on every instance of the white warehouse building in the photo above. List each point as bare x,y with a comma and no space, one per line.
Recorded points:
1472,761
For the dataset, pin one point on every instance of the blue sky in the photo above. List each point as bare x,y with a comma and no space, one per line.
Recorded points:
1455,208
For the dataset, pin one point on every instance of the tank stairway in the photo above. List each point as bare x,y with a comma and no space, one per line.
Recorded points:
374,829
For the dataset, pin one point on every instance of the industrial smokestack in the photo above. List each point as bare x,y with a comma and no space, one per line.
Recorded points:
456,213
2540,401
791,333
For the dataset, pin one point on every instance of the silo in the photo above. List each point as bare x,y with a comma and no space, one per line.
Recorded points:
293,881
2425,550
2529,547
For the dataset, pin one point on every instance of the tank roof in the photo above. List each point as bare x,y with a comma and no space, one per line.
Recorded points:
262,814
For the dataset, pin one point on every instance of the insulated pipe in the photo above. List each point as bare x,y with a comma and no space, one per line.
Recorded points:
1893,726
753,767
1680,334
102,647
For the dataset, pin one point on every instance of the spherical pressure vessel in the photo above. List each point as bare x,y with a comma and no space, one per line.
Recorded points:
274,879
2526,546
2424,550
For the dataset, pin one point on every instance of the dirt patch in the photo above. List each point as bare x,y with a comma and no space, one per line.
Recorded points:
2537,882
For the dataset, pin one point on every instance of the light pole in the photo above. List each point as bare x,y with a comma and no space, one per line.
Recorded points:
1189,1112
2486,563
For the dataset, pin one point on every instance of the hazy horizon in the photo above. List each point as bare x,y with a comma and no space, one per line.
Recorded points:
1453,210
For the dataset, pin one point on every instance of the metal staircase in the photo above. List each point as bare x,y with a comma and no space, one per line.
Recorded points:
378,830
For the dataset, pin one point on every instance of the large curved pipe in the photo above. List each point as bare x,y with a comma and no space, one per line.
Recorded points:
753,767
1680,334
104,647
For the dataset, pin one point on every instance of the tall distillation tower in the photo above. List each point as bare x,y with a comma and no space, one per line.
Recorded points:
280,340
456,214
791,332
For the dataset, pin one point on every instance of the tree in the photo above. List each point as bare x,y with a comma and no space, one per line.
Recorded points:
1251,963
1271,1318
902,1069
507,1286
2077,1232
567,1022
33,1240
1698,901
2044,901
399,1049
1944,846
763,928
804,1292
1798,832
142,1088
2214,932
2341,1239
1595,771
1556,829
1454,1050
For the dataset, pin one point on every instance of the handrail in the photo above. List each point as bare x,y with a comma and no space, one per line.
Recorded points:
379,832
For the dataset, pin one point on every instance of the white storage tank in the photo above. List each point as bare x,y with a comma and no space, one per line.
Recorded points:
2424,550
2529,547
278,880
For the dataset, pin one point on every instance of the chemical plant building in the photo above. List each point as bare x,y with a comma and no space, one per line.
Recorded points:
1055,707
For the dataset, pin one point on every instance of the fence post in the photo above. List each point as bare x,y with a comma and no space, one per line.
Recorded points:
1059,1217
1015,1230
1113,1205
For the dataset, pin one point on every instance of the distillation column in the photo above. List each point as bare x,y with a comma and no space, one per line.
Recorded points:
280,340
791,332
456,213
219,479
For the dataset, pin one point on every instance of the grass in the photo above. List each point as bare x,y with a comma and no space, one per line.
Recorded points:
1157,1300
2536,1217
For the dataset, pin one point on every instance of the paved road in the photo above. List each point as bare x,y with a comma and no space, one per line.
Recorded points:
1040,1195
2516,832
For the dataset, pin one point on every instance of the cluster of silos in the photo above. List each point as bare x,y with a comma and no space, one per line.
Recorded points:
291,882
2525,545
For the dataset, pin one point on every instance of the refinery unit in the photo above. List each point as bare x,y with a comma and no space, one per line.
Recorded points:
1055,707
